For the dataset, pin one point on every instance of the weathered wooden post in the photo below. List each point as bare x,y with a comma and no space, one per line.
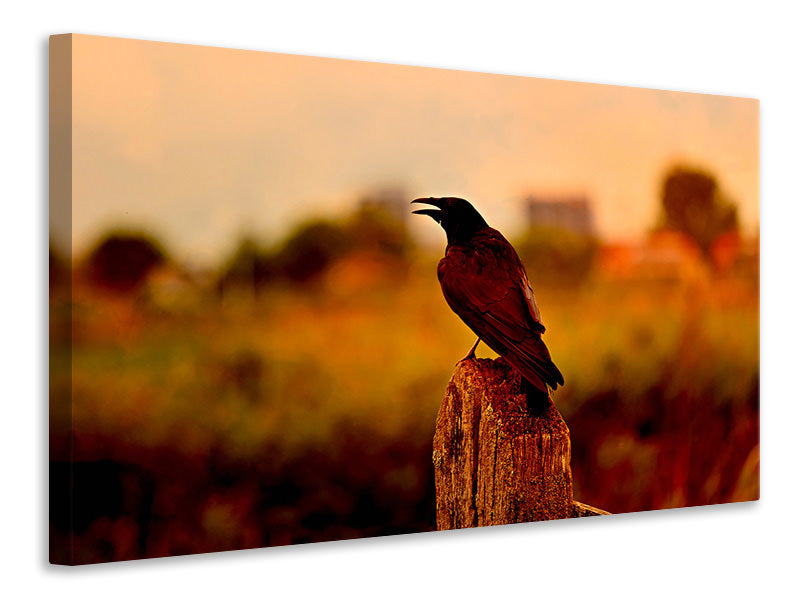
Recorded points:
495,462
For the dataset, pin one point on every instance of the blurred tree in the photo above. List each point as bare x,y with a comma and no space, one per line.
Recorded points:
375,228
250,265
557,255
121,260
311,249
313,246
693,204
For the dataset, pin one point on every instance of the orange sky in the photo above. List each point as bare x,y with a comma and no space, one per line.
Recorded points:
200,144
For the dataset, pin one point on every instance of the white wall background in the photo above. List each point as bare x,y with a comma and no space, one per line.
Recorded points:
744,49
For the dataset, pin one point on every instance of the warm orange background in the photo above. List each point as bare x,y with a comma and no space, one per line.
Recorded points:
247,350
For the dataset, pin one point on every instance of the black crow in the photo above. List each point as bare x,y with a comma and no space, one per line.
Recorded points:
485,284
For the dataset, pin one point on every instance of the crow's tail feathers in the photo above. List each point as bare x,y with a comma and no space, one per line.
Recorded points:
539,376
538,365
537,400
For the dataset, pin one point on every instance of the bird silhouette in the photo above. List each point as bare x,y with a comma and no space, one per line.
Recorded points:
485,284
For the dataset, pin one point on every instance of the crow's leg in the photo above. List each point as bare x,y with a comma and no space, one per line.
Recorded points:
471,353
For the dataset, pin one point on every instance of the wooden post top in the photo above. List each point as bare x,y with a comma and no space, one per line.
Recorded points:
496,459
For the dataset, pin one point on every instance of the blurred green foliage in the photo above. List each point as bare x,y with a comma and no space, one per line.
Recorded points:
377,230
692,203
557,256
250,264
121,260
310,249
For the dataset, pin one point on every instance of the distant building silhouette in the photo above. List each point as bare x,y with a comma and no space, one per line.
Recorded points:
573,213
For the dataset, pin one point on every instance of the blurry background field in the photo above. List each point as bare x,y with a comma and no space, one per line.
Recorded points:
290,396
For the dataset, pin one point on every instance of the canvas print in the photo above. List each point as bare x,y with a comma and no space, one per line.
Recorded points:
299,299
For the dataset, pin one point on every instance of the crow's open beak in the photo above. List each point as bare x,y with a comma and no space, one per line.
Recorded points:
436,215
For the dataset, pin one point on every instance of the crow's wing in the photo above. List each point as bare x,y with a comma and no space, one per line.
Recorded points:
485,284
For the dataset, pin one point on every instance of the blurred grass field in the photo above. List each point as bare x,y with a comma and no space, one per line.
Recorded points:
306,413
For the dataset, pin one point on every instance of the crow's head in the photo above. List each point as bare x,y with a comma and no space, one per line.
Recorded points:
458,218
